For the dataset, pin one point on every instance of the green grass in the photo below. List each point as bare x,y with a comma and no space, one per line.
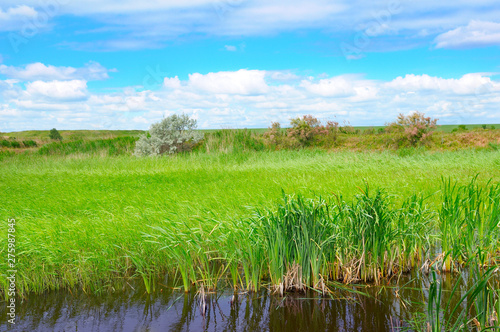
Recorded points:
89,221
72,134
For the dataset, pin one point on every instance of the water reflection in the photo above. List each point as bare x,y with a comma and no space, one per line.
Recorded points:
388,309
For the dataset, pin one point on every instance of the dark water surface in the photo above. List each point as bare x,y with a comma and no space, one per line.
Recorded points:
171,310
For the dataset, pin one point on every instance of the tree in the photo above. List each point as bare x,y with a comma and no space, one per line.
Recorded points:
172,134
55,135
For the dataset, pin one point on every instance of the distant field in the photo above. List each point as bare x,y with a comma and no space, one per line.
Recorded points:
72,134
105,134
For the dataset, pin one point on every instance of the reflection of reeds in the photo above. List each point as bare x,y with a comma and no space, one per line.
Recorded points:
474,308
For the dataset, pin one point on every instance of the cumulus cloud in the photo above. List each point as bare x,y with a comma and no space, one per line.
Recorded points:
243,82
38,71
475,34
468,84
172,82
339,86
234,99
73,90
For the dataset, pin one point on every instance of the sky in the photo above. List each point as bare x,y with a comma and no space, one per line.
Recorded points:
102,64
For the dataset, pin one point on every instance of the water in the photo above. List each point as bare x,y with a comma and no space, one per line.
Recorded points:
388,308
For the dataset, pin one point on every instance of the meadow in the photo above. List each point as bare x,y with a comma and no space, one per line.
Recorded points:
92,216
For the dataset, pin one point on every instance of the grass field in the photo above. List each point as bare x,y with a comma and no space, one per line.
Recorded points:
82,220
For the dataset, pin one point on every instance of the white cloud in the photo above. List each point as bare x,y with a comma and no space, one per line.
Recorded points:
468,84
475,34
39,71
58,90
14,18
172,83
330,87
230,48
243,82
234,100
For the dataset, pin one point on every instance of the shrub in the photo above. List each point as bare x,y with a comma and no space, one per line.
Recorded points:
55,135
29,143
274,135
381,130
369,131
172,134
304,129
15,144
5,143
484,126
413,128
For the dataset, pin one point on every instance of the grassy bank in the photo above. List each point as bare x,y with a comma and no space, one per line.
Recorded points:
89,221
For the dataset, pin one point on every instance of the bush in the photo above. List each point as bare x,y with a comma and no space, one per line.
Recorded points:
29,144
15,144
55,135
369,131
274,136
5,143
413,128
172,134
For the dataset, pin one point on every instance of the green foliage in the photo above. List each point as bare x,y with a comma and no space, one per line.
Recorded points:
88,233
171,135
369,131
55,135
494,146
15,144
29,143
5,143
111,147
231,141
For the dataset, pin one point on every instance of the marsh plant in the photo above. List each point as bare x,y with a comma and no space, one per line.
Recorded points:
173,134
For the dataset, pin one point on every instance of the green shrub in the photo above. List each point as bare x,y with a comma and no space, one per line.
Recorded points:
29,144
172,134
55,135
15,144
5,143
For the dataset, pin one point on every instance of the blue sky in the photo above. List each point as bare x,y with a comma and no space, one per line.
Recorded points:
234,63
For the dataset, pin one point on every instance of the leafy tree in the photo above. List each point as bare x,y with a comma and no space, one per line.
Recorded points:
55,135
172,134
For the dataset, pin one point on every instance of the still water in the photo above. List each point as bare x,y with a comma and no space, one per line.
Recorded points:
387,309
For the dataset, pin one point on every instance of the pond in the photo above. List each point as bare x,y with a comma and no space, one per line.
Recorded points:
387,307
